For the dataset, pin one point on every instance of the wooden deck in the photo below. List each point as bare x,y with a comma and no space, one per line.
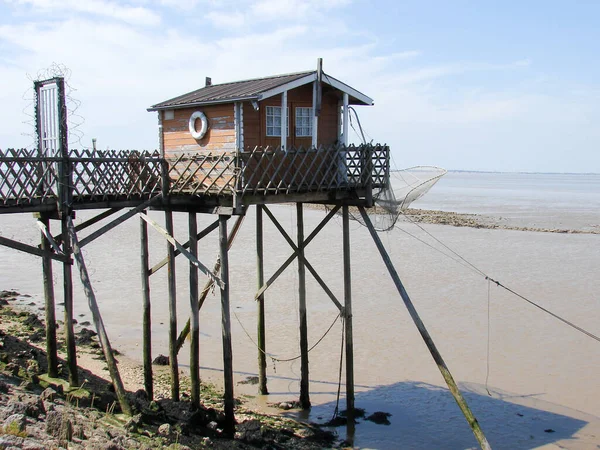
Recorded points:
101,179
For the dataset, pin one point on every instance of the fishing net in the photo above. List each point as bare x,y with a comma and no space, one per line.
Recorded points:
406,186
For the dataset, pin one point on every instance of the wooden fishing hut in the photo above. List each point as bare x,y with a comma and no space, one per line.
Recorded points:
222,149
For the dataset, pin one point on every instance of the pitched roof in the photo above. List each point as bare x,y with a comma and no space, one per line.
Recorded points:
255,89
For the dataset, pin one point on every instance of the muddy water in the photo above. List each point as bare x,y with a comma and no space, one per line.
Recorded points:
542,374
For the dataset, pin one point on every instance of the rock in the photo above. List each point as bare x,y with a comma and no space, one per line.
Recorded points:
212,426
10,442
380,418
28,385
4,387
31,406
250,432
249,380
48,395
9,294
13,369
164,429
85,336
207,442
33,321
161,360
134,423
16,422
85,323
33,367
37,336
59,425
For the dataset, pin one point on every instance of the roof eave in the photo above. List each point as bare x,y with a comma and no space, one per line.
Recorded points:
159,107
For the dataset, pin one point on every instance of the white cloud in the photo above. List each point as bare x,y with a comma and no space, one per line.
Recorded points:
135,15
229,19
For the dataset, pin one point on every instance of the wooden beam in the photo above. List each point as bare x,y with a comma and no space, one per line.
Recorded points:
260,326
213,226
182,250
348,320
437,357
226,329
109,226
324,286
146,311
51,348
42,226
173,364
276,275
304,391
68,299
97,318
88,223
32,250
209,283
194,314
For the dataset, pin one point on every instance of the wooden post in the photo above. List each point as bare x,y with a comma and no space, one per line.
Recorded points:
194,314
68,297
348,321
260,278
51,350
146,314
304,395
172,310
97,318
462,404
226,328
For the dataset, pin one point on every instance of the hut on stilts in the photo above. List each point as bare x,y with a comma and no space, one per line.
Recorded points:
223,149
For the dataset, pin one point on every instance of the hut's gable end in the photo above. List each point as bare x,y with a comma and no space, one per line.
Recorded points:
255,133
220,136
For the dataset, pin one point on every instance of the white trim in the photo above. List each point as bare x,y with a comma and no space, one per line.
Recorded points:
287,87
347,89
284,113
315,124
238,114
345,120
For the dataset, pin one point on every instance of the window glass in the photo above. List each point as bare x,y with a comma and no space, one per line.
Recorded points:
274,121
304,118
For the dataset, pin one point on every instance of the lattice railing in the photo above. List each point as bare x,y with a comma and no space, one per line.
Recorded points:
96,176
275,171
202,174
102,175
24,176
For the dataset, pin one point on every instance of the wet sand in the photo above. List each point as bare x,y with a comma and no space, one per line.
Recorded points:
542,374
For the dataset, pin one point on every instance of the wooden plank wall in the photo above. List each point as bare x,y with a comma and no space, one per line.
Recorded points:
255,121
220,136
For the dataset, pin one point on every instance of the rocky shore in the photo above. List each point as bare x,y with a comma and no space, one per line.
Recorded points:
39,412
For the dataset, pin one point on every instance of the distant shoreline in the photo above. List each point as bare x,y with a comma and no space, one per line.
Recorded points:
515,173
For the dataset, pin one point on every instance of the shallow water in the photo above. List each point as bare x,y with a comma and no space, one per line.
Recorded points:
542,374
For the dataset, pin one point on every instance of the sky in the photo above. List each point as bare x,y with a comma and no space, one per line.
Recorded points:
465,85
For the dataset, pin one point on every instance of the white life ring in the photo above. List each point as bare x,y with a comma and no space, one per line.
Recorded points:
192,125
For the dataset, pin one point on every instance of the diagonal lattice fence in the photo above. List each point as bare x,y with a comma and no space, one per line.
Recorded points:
88,177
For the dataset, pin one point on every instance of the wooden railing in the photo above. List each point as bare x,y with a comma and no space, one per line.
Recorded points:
88,177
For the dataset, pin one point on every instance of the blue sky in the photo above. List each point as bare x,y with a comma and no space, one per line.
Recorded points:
511,86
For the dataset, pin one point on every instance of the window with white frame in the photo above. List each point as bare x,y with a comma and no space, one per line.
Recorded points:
274,121
304,119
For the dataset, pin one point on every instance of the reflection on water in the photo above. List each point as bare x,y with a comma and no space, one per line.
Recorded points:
530,353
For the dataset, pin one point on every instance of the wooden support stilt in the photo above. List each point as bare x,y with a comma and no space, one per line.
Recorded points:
210,282
260,277
304,394
477,431
348,321
172,310
51,350
226,328
146,314
97,318
68,297
194,314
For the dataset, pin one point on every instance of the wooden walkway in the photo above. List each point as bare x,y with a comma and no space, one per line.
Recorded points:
192,182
